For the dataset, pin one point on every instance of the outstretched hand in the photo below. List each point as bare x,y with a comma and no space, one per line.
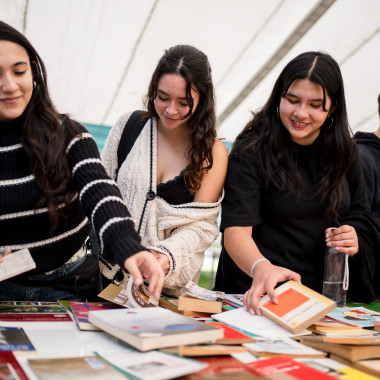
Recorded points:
7,251
265,278
143,265
343,238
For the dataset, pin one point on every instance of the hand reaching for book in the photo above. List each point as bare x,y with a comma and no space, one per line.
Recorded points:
144,265
265,278
163,260
7,251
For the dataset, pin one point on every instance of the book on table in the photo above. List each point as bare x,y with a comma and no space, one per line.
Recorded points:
151,365
171,303
188,303
349,350
289,366
204,350
33,311
10,367
151,328
281,347
15,339
77,368
298,306
80,312
330,327
231,335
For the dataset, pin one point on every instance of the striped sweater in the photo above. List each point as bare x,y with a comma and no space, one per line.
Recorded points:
98,201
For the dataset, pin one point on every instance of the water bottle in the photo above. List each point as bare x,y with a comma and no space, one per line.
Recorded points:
335,279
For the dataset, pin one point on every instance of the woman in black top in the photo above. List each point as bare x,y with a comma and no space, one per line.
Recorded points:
53,185
294,176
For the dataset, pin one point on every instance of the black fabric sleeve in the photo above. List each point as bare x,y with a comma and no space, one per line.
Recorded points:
241,204
362,287
102,201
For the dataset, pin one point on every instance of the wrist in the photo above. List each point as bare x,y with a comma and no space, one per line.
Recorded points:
255,263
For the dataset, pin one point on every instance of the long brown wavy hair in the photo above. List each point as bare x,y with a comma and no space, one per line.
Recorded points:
192,65
276,153
45,136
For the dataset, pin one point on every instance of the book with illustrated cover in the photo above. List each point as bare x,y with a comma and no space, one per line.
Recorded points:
355,316
151,365
281,347
131,297
151,328
351,352
80,312
10,369
33,311
298,306
76,368
15,339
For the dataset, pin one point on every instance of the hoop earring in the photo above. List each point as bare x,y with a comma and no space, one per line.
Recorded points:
278,114
332,121
34,84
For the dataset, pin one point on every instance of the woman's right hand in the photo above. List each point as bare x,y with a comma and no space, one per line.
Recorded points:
265,278
7,251
144,265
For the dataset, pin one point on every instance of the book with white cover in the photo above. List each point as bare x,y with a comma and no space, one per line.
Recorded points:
15,263
154,327
151,365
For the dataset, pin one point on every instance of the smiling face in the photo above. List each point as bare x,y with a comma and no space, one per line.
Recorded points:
171,104
16,80
301,111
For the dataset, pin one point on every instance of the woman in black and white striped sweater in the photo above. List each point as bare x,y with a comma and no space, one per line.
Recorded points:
53,185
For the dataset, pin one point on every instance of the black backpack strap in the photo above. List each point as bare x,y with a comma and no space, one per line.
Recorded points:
131,132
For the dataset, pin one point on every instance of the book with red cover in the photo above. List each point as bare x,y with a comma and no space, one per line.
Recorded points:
33,311
289,366
231,335
10,367
80,311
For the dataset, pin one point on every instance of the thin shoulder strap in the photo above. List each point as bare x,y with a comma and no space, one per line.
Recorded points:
131,132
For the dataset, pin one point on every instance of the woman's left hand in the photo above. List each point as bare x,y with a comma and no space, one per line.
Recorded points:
163,260
344,239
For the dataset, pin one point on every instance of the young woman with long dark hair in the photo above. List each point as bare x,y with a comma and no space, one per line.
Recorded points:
295,184
172,178
52,187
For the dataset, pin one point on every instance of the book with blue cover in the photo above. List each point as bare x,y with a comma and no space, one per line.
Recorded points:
15,339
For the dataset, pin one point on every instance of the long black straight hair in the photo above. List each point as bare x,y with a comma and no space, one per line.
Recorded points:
278,156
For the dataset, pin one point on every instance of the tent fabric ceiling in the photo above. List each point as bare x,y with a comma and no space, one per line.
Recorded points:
100,54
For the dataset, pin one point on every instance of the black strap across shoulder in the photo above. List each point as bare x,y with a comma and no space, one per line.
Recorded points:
131,132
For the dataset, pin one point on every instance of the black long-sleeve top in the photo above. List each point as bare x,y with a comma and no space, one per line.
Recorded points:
98,201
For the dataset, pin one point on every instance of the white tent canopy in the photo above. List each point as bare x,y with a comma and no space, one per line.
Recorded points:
100,54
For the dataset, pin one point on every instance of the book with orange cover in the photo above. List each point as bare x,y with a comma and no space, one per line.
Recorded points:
298,306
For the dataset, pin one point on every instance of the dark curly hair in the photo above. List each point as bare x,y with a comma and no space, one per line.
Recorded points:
192,65
278,157
44,138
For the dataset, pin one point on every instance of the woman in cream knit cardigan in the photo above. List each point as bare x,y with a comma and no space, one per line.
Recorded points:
172,179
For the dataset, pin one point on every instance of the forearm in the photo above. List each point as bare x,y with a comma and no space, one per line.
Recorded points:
241,247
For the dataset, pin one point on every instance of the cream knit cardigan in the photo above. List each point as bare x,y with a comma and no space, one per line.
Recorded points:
181,232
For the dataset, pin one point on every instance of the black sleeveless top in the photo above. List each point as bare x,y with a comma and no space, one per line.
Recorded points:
174,191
